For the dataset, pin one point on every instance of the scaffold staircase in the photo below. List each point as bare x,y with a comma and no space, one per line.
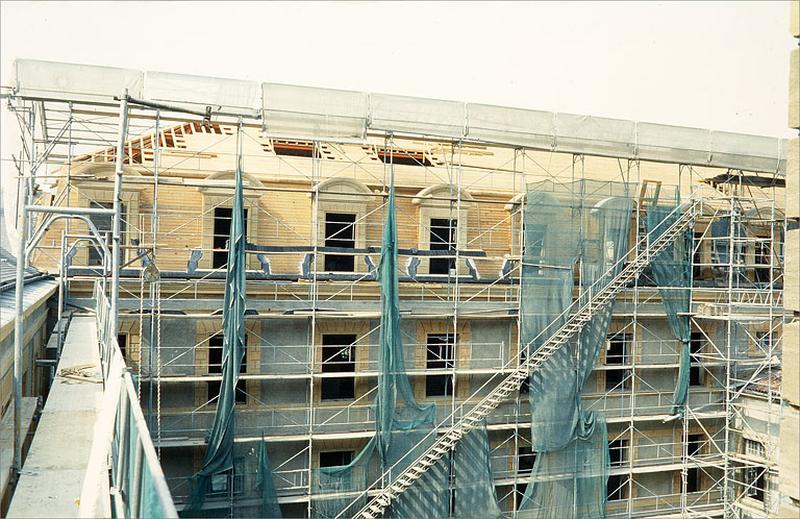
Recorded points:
646,249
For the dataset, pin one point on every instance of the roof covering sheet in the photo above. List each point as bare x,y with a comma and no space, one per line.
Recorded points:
71,82
298,111
325,114
230,95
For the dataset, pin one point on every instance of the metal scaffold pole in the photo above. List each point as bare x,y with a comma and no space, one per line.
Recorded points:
19,331
115,252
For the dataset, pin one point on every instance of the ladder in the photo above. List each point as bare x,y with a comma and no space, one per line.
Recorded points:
646,248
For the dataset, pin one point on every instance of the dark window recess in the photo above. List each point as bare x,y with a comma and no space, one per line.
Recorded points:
763,254
215,368
335,458
293,149
617,352
755,481
105,225
617,488
763,341
694,446
526,460
439,355
697,257
618,452
122,340
443,237
338,356
696,344
222,231
519,493
340,232
618,347
404,158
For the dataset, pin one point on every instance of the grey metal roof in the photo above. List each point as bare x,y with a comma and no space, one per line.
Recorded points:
8,260
36,288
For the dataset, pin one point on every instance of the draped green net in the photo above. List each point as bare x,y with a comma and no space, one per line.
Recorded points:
474,490
403,427
672,270
578,228
219,456
266,485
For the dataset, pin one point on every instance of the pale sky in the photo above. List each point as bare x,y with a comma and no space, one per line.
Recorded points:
718,65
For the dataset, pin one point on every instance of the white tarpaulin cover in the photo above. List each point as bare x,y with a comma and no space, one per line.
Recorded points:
417,115
517,126
325,114
71,82
294,111
230,95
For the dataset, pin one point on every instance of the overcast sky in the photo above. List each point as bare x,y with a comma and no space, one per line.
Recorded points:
718,65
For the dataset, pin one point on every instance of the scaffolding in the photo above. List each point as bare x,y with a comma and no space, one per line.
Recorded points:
307,153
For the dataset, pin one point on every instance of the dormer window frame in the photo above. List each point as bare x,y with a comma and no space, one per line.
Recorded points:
343,196
100,189
219,193
441,202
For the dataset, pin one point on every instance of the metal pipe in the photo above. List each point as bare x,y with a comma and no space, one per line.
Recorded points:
115,253
68,210
62,285
22,227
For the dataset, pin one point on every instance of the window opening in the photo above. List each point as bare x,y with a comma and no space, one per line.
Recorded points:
293,149
338,356
762,253
335,458
697,257
618,452
222,230
340,232
693,448
696,344
105,224
403,158
439,355
754,479
122,340
618,348
617,488
443,237
215,368
526,458
754,448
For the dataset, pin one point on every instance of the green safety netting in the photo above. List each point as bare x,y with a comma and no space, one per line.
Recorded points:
672,270
265,484
403,427
219,454
584,223
727,258
474,492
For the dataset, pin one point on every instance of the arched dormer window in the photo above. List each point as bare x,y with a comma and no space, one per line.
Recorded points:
94,185
341,206
443,217
217,192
